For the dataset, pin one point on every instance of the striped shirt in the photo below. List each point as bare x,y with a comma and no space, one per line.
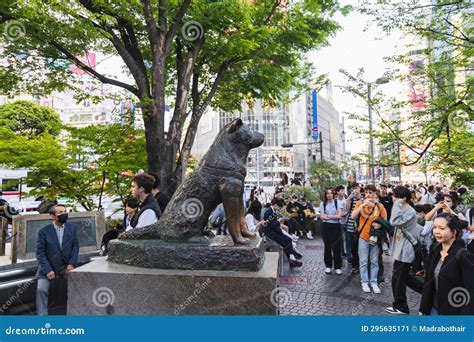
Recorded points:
351,224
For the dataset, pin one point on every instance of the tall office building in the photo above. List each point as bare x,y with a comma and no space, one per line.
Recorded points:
290,123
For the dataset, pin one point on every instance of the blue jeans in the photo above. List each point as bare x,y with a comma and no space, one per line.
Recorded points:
367,251
42,292
344,239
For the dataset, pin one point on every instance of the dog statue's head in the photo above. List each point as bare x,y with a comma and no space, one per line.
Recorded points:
241,135
231,147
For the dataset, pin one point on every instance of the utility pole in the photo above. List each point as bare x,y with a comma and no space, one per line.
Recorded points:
371,135
321,145
399,164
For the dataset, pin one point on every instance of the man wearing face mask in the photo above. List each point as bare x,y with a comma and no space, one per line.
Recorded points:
57,251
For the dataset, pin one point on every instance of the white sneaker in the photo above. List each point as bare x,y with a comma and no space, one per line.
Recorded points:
327,270
339,271
375,288
309,235
393,311
294,237
365,288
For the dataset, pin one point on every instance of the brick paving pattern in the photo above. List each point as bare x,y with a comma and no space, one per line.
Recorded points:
309,291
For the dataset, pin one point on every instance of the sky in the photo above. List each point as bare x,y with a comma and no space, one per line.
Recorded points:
351,49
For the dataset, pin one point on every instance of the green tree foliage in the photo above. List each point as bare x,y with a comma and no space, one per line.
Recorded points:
435,132
324,174
93,161
29,119
201,53
307,191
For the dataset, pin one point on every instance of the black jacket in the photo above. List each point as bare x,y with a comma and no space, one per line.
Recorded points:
149,203
272,225
162,200
457,271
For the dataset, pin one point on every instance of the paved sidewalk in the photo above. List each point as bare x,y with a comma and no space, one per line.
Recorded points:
309,291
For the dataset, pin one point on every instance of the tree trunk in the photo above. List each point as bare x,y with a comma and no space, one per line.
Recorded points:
160,157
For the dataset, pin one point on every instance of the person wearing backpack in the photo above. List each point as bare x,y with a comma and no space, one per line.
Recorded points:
368,211
404,219
449,281
331,232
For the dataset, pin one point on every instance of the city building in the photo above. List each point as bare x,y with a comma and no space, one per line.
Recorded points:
289,145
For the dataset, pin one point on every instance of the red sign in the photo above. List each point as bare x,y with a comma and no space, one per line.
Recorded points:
88,59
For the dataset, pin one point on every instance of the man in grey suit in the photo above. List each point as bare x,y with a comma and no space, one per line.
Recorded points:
57,252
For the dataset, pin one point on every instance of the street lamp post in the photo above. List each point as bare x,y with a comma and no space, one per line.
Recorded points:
380,80
371,135
399,163
320,142
258,173
271,170
321,145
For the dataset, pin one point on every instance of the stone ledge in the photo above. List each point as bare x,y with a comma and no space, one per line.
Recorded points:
105,288
219,254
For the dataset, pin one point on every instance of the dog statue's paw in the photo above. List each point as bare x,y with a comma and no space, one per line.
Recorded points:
148,232
241,241
247,234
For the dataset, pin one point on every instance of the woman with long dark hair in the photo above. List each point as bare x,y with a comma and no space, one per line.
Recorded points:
253,217
449,280
330,214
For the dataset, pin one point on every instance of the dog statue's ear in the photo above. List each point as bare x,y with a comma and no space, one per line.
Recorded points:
234,126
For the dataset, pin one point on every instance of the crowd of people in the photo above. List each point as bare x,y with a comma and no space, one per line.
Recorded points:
426,230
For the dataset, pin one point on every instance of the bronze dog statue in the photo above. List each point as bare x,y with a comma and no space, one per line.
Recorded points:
218,179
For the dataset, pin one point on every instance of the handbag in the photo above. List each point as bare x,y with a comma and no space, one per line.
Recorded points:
421,251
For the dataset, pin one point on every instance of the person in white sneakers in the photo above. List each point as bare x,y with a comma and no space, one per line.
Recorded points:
331,231
368,211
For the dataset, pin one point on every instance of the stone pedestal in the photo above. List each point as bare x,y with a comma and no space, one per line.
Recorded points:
218,253
105,288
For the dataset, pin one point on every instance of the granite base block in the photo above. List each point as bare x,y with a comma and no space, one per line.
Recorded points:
219,253
105,288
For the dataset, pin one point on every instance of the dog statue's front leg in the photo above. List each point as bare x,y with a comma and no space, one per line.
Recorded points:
230,192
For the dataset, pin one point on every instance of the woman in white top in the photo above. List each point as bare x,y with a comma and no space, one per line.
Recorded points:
253,217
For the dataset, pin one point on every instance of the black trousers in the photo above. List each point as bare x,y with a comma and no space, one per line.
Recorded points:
281,239
354,240
332,244
296,225
401,278
381,268
222,229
